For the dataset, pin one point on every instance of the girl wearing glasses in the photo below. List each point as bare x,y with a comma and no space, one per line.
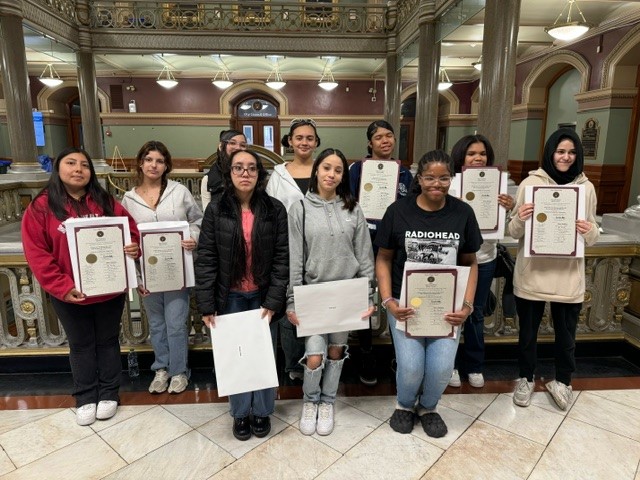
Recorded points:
430,227
332,243
155,198
243,264
213,182
476,151
289,183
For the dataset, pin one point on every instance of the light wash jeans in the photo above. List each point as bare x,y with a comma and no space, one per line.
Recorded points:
260,403
167,313
329,370
424,363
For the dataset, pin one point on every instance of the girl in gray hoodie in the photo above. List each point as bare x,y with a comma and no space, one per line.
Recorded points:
332,243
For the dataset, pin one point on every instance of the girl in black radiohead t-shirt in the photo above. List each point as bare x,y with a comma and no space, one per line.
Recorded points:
430,227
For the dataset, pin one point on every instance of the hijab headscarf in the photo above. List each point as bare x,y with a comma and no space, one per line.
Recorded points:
562,178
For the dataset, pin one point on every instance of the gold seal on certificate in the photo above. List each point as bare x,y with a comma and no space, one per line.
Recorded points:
480,187
431,293
101,260
163,261
378,186
553,224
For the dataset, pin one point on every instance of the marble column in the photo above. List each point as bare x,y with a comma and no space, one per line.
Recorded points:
497,79
392,90
15,82
426,129
88,92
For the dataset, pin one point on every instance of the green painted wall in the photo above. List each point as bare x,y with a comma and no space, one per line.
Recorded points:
55,140
524,143
562,106
456,133
635,179
5,150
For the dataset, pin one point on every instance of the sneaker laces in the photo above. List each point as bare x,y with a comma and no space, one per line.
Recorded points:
523,386
324,412
309,411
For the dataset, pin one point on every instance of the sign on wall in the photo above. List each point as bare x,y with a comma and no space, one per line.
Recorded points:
590,134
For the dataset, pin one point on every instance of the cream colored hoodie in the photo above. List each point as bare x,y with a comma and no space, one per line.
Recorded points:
551,279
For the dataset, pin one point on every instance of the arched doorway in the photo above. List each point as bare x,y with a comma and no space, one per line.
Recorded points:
256,115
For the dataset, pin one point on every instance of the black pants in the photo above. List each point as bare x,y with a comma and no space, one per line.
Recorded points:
565,321
94,349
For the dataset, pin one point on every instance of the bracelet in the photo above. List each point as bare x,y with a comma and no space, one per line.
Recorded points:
385,301
467,303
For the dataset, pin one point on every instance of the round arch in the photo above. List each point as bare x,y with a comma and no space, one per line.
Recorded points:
48,97
535,85
619,68
237,90
450,97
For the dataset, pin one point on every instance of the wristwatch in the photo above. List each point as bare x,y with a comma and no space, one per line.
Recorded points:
467,303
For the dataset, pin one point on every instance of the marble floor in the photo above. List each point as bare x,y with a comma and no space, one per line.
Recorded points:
158,437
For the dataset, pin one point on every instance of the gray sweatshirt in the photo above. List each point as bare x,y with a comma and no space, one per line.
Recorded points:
338,245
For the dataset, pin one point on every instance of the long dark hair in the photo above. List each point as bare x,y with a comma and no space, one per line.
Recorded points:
459,150
259,264
373,128
296,123
433,156
225,137
343,190
58,199
154,146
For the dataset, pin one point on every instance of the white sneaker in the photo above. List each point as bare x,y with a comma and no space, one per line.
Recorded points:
455,379
476,380
308,419
522,393
160,381
86,414
325,419
178,383
561,393
106,409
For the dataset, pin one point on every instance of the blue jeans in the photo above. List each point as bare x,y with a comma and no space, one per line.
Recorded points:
292,348
329,370
424,363
260,403
167,313
473,348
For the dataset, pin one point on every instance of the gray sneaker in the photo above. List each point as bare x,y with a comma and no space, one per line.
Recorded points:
160,382
522,393
561,393
178,383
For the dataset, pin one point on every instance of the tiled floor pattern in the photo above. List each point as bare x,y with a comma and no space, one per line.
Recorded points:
489,438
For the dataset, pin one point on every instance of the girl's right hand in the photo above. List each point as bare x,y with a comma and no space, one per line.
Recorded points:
143,292
74,296
292,317
525,211
400,313
209,320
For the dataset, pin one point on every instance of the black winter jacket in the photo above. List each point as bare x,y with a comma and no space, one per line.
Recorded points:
216,256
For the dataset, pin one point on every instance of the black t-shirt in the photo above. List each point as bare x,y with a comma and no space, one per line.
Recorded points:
417,235
303,184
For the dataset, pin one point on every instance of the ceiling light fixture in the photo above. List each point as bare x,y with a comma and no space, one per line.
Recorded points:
222,80
445,83
49,75
166,78
478,65
568,29
277,83
327,82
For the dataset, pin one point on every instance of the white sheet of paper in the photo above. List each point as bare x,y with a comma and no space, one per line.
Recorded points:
71,224
528,198
455,191
461,285
178,226
332,306
243,353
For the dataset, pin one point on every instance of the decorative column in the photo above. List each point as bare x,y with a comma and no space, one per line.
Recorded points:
15,82
426,130
497,78
392,90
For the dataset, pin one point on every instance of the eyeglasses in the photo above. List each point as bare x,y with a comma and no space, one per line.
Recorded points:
306,121
429,180
240,145
239,170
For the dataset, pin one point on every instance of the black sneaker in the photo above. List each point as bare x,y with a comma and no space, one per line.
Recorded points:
241,428
261,426
433,425
402,421
368,369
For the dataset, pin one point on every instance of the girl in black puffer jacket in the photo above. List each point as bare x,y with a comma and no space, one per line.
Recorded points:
243,264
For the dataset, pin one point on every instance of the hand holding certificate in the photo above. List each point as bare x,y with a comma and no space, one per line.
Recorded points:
378,187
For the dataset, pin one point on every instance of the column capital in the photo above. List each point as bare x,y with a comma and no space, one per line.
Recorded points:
11,7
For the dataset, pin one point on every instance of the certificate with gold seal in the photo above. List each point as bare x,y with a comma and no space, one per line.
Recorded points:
96,247
431,293
378,186
551,230
166,266
480,187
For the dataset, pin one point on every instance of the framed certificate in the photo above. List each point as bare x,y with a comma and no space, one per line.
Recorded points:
480,187
431,293
96,247
378,186
165,265
551,230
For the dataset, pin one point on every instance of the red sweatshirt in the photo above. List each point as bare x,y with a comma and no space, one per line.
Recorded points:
44,241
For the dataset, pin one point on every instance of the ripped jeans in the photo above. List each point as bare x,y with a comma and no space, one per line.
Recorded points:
328,373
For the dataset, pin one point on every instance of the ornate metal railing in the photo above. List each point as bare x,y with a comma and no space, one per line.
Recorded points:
11,208
64,8
325,17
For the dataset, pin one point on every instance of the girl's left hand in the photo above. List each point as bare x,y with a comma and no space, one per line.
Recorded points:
368,313
189,243
456,318
292,317
267,313
132,250
583,226
506,201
